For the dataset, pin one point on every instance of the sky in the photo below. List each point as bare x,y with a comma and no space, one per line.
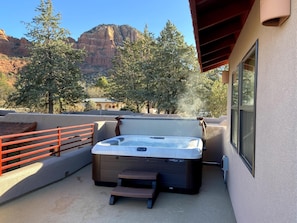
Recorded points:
80,16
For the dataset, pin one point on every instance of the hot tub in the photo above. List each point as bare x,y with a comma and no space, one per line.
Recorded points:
178,160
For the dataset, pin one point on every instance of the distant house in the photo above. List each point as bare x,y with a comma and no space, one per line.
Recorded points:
258,40
105,103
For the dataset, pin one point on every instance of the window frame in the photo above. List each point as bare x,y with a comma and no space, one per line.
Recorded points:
234,134
238,109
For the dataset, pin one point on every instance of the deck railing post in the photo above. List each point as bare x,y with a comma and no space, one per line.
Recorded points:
59,141
93,132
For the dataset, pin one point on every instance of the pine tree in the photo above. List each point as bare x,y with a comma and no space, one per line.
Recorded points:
217,103
174,63
5,88
52,77
131,73
153,72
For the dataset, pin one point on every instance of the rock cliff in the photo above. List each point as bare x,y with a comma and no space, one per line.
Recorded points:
99,42
12,53
13,47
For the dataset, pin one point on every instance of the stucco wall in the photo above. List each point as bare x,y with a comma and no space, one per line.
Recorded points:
105,124
214,139
271,195
48,121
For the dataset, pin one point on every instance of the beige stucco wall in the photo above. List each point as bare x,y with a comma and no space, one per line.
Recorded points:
48,121
271,195
214,139
105,124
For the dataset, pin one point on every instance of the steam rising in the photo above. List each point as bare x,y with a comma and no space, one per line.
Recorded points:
189,103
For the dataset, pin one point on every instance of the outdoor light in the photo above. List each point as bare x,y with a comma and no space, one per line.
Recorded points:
225,76
274,12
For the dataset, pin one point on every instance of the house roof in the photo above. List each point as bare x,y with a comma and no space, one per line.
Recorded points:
217,25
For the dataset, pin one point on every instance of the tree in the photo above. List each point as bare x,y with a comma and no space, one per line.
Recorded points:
174,63
164,73
131,73
213,92
90,105
146,65
218,99
52,77
205,95
191,102
5,88
102,82
153,72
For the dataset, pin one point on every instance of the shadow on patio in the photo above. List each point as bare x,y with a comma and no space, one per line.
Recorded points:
77,199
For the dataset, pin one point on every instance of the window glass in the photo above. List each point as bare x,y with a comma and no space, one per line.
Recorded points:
247,132
234,109
243,108
248,80
235,88
247,137
234,128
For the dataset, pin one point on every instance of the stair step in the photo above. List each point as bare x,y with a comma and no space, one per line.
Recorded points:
133,192
138,175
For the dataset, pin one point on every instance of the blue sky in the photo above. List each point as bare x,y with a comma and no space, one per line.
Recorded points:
82,15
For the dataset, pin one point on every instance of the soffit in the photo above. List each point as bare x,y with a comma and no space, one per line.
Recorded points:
217,25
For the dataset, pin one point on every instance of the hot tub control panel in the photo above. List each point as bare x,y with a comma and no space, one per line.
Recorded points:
141,149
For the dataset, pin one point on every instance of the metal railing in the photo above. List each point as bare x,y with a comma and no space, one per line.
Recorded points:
18,150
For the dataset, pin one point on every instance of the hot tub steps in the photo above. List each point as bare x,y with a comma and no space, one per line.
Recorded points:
146,193
136,192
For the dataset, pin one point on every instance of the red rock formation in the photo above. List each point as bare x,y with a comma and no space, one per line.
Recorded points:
13,47
2,35
99,42
11,65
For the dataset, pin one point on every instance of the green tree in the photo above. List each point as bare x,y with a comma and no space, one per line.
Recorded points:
153,72
90,105
52,77
146,65
125,80
164,73
217,103
191,102
130,76
213,92
102,82
205,94
174,62
5,88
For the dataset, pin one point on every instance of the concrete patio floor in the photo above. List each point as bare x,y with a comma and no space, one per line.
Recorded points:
76,199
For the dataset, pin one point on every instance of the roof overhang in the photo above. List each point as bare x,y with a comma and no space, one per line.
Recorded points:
217,25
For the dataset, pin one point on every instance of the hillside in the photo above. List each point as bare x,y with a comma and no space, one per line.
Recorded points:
100,43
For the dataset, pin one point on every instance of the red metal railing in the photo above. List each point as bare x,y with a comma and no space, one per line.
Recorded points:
18,150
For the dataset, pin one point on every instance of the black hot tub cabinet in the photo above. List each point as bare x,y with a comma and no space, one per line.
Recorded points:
178,160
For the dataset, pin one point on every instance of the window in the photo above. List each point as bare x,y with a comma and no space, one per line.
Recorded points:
243,108
234,109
